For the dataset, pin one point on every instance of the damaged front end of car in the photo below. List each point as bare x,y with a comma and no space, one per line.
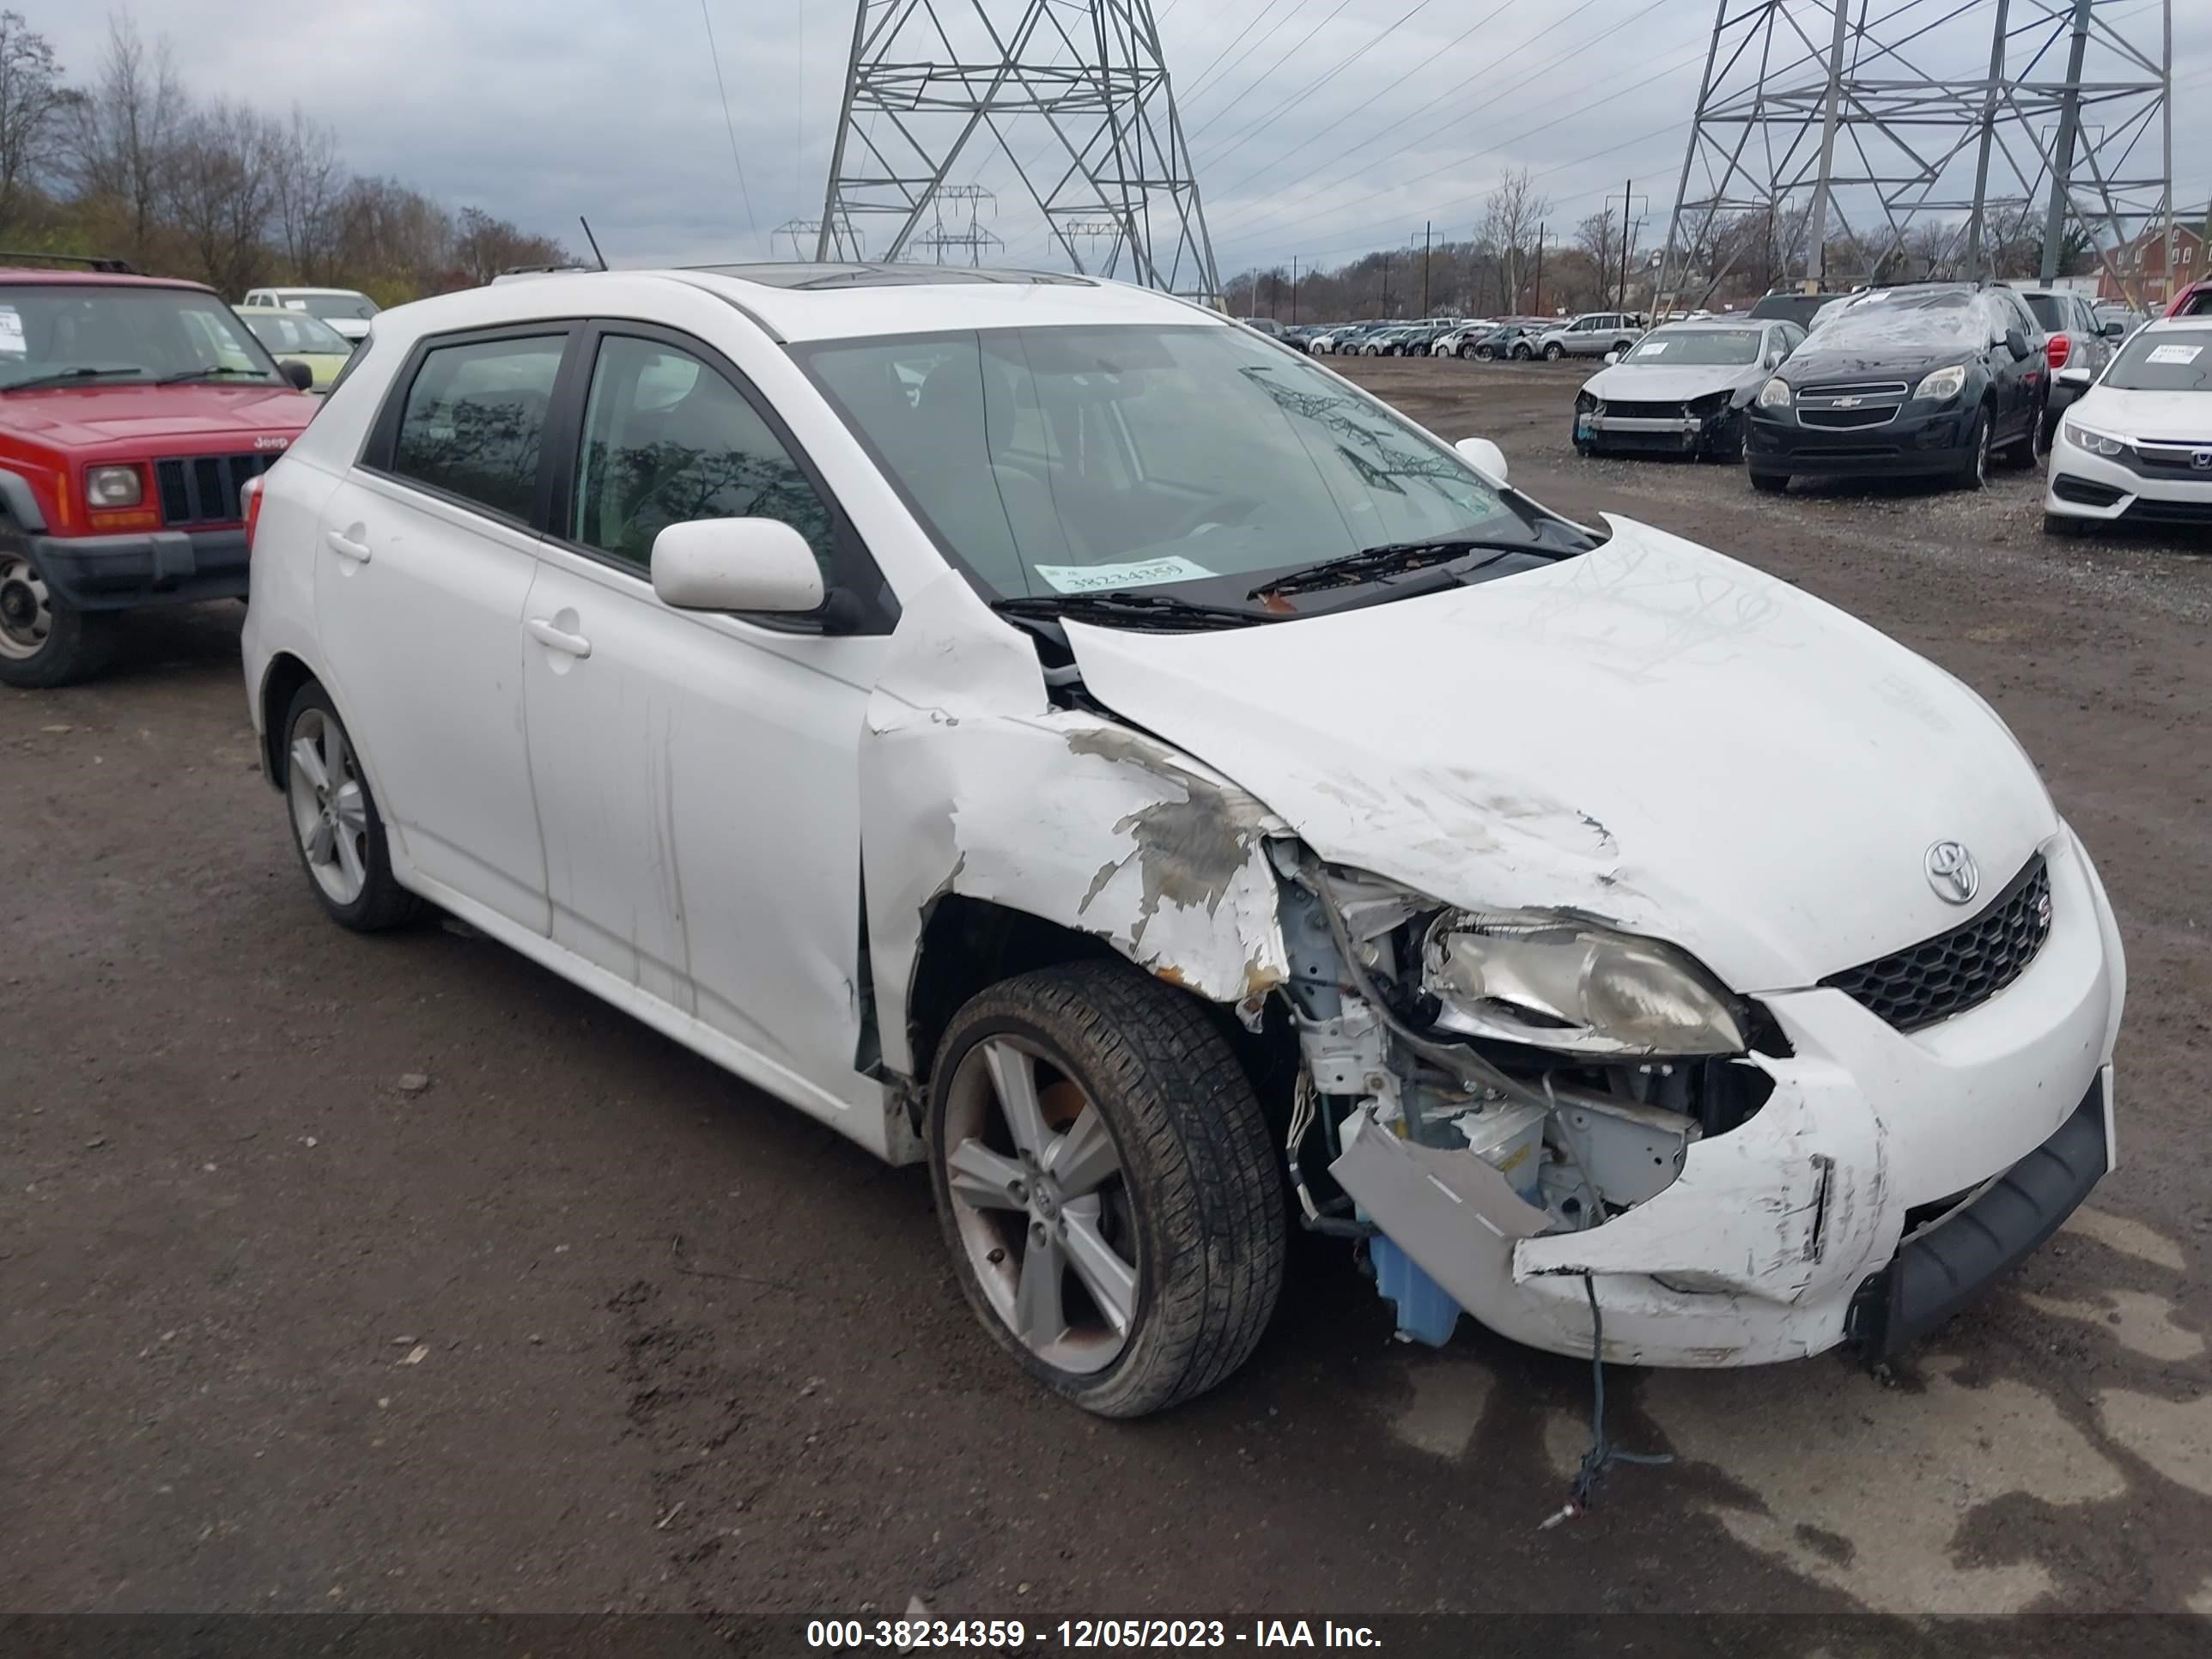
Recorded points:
1512,1103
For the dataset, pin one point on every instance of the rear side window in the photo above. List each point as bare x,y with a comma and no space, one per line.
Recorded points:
2049,313
474,423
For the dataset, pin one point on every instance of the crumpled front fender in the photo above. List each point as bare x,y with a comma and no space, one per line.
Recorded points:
973,783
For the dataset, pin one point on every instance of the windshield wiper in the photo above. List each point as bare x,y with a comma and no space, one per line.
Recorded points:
208,372
1393,557
62,376
1121,605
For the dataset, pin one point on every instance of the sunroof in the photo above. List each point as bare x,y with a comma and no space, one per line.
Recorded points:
806,275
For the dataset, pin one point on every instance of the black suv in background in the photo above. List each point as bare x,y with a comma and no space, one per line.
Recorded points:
1926,381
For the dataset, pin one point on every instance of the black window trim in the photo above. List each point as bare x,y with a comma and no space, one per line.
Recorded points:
868,602
383,434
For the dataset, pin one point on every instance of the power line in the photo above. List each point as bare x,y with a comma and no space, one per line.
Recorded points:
1382,35
1260,79
1201,81
729,124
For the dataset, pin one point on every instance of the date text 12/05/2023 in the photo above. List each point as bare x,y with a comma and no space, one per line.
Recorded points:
911,1634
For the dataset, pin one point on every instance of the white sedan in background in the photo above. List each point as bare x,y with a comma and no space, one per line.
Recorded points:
2136,447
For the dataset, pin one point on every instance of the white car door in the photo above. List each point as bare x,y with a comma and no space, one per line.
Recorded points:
425,559
696,774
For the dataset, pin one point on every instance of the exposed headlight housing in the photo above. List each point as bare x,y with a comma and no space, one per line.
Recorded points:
113,486
2097,443
1559,984
1944,383
1775,394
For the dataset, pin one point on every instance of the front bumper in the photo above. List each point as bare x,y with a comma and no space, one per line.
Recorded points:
1650,435
161,567
2106,489
1782,1238
1917,441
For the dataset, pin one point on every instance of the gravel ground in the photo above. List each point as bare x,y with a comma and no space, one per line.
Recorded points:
358,1274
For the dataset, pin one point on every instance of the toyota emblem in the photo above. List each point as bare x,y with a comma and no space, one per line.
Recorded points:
1952,873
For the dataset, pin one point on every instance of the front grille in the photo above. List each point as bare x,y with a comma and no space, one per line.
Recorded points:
1915,987
1633,411
202,490
1896,389
2169,458
1846,420
2148,510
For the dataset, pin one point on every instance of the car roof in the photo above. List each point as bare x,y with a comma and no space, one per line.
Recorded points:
47,276
350,293
806,302
1733,324
2175,325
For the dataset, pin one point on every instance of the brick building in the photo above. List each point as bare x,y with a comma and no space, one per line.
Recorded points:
2144,262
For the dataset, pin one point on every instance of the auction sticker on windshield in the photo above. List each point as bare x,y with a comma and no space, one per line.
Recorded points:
2174,353
11,333
1101,578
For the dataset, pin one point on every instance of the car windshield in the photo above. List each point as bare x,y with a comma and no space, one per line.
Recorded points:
2164,360
118,332
346,307
1082,459
1948,321
1698,348
294,331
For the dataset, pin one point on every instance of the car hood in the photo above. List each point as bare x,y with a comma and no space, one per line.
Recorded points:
1651,734
87,418
2185,417
1664,383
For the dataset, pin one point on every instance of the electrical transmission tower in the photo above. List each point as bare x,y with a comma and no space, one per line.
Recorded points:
973,238
1081,84
1969,137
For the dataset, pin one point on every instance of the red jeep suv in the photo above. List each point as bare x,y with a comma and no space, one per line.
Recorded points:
133,410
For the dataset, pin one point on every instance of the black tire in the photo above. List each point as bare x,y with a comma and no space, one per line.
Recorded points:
1487,354
1197,1163
1974,470
1770,484
1523,354
2047,433
382,902
1621,346
45,641
1553,352
1466,351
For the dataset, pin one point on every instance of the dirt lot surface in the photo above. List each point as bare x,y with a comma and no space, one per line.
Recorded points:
347,1273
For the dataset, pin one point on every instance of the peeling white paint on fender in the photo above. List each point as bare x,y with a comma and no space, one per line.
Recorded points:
971,782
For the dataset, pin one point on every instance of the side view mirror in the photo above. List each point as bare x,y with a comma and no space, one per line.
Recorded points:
2075,375
735,564
2114,329
2015,343
301,377
1484,456
1613,356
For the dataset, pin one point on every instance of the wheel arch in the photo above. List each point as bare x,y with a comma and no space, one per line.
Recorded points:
281,681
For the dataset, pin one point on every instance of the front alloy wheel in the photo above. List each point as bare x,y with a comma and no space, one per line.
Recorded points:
1553,352
1107,1185
335,824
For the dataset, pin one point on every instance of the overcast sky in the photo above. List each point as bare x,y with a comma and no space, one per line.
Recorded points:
1319,128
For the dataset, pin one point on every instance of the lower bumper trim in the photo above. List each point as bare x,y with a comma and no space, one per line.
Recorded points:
165,567
1935,1274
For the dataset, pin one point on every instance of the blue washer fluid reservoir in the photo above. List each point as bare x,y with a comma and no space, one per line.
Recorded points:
1427,1312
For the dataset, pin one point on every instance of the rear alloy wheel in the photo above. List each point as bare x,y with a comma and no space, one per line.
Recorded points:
1553,352
335,824
45,641
1466,351
1107,1185
1487,354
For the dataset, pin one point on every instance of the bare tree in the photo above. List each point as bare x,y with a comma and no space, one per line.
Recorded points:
1599,236
392,237
306,181
1512,221
484,246
126,130
222,194
31,101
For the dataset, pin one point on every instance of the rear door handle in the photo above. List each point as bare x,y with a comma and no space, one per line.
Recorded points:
555,639
345,547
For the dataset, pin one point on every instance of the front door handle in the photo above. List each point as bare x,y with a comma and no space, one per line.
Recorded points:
345,547
555,639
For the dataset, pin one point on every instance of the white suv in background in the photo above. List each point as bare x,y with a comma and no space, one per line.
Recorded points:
344,309
948,701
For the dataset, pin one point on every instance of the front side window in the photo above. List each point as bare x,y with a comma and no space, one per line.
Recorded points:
1081,459
667,439
342,307
474,423
295,331
100,334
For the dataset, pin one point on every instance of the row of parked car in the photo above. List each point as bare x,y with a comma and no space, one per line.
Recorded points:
1485,340
1933,380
